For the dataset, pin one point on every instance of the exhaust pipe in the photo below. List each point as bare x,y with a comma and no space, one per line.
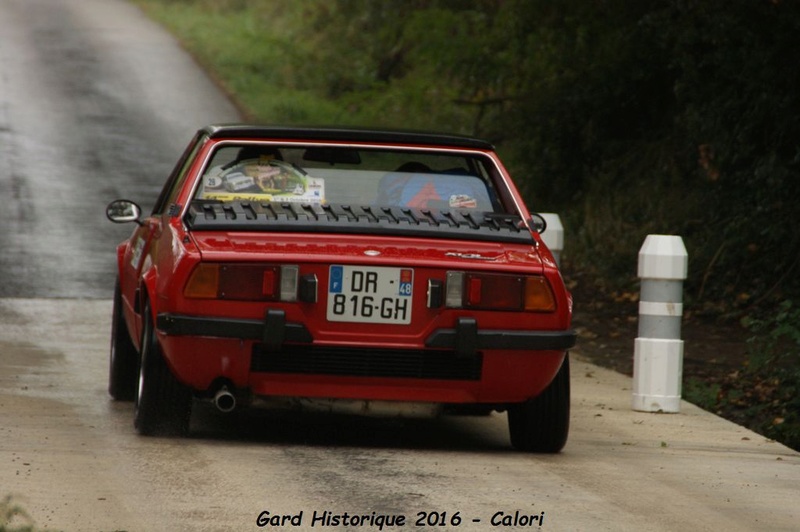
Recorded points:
224,400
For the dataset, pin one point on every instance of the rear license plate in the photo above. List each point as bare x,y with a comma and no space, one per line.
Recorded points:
370,294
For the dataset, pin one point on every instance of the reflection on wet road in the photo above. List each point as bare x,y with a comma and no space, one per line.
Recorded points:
93,107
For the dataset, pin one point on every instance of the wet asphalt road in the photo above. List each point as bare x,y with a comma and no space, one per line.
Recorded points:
70,456
95,104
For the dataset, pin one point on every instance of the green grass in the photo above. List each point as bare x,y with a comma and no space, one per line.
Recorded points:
268,59
13,518
250,48
701,393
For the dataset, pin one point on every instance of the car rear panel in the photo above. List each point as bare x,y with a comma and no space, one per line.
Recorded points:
425,259
359,360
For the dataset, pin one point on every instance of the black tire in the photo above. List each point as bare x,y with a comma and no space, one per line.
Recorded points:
163,404
123,357
541,424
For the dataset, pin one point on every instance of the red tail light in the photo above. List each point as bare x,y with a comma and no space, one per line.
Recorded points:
487,291
248,283
242,282
499,292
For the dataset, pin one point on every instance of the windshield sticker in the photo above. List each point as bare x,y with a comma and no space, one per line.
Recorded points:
463,201
312,190
262,179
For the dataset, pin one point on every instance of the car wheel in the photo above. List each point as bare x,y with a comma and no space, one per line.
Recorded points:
124,359
541,424
163,404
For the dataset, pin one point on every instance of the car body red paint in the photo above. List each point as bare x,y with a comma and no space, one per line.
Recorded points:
341,265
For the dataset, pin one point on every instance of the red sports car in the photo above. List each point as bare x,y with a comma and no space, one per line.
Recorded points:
375,271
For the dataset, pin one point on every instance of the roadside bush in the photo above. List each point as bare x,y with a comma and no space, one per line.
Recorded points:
764,394
13,517
771,381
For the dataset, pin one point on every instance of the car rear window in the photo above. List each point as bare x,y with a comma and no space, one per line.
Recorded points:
323,175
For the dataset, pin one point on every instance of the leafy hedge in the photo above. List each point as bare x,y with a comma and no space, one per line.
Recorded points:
764,394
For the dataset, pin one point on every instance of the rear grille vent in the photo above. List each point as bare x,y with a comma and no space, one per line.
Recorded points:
360,362
459,224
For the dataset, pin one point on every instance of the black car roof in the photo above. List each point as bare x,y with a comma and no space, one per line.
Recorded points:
245,131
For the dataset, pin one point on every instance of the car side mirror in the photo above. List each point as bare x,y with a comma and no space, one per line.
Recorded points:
538,223
123,211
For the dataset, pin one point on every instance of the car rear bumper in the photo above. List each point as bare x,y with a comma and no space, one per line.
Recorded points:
272,358
465,339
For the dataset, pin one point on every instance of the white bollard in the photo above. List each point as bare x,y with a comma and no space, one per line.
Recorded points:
553,236
658,349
